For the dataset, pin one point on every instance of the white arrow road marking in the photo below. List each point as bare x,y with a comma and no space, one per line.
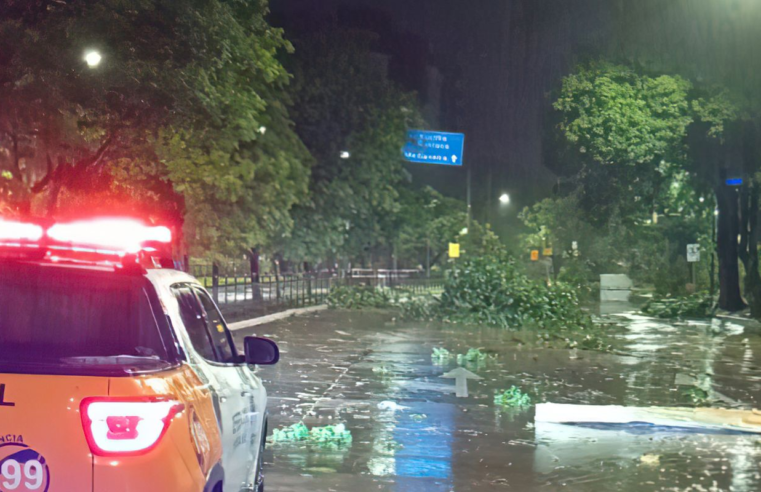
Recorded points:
461,376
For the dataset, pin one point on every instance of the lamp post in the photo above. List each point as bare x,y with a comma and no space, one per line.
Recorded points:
93,58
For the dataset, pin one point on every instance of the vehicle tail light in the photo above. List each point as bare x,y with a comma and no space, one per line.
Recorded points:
19,231
126,426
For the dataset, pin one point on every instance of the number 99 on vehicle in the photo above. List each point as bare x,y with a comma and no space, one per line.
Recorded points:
22,469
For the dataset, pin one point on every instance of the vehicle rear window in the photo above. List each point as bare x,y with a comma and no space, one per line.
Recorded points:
74,317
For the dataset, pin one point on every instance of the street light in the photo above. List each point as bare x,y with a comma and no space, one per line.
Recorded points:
504,199
345,154
93,58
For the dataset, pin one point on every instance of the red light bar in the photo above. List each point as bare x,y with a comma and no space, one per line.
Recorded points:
113,234
19,231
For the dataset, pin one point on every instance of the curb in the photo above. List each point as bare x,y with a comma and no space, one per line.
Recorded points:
249,323
741,320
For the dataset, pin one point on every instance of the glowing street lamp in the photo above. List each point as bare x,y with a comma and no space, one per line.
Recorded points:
345,154
504,199
93,59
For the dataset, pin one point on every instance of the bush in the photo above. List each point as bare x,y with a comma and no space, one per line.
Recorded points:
365,296
671,277
578,275
695,306
421,307
361,297
489,290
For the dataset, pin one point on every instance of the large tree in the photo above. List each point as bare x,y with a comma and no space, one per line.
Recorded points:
715,42
184,118
353,119
427,222
644,133
628,129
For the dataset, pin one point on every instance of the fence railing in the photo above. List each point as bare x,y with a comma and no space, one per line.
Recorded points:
284,291
272,291
415,285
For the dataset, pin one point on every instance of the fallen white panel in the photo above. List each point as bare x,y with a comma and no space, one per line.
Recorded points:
615,295
563,446
708,419
615,281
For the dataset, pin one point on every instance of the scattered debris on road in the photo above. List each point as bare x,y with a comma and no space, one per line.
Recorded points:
317,435
441,355
513,398
473,355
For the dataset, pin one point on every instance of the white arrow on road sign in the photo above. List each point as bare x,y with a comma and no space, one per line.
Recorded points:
461,376
454,158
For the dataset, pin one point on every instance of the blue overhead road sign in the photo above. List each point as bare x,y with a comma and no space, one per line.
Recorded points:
434,147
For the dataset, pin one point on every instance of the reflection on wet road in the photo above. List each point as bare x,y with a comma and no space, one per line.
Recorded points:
410,432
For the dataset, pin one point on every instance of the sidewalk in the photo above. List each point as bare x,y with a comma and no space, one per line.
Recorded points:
742,319
260,320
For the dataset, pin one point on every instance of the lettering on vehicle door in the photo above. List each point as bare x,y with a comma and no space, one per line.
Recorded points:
4,403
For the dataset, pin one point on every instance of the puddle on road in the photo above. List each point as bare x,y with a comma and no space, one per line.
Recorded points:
410,433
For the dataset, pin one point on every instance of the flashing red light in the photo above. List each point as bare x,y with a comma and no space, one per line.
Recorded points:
19,231
114,234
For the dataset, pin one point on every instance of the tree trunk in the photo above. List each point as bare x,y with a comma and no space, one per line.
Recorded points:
727,248
749,202
749,254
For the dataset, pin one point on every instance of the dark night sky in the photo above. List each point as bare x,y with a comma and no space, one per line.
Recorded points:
499,60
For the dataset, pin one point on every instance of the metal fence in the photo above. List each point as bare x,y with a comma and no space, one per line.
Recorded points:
286,291
413,284
233,286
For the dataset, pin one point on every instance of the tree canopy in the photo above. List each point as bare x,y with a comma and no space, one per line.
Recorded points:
621,117
353,119
630,131
650,145
185,117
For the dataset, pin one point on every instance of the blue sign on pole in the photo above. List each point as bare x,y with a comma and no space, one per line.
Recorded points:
434,147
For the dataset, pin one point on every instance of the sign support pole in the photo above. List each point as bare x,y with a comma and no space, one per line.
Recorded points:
427,257
468,195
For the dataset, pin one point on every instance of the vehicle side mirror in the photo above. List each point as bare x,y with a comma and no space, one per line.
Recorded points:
261,351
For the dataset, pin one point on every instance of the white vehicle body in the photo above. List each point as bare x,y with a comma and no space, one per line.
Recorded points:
240,399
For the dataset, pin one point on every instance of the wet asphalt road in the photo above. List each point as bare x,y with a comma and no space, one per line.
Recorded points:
410,433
